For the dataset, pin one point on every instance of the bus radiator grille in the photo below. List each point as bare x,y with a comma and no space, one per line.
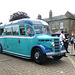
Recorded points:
57,46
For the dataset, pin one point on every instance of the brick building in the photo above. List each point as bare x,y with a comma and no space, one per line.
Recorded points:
63,22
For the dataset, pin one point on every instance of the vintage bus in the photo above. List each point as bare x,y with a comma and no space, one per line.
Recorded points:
30,39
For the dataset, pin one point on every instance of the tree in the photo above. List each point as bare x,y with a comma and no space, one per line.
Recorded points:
1,23
18,15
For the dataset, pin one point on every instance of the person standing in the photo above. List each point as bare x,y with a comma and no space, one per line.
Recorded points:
63,39
62,36
3,33
66,43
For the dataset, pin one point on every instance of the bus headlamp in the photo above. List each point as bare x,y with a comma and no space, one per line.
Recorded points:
53,44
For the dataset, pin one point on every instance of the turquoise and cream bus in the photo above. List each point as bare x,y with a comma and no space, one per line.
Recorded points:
30,39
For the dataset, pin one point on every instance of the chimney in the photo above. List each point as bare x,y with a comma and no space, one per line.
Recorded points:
39,17
50,14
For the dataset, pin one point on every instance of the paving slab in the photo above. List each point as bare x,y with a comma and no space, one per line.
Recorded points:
10,65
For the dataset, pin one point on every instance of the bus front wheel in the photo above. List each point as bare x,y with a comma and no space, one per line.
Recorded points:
38,56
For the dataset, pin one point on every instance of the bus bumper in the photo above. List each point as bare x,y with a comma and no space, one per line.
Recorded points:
54,53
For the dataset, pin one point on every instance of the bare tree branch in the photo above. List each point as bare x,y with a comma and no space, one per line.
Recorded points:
18,15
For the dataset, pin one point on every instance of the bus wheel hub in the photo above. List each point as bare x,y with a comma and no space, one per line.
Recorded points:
37,55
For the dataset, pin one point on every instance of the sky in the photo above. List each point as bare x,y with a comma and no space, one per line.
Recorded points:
35,7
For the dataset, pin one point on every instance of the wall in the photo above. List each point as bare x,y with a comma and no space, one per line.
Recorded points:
66,24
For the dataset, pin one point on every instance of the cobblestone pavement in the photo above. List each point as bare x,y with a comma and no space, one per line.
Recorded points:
73,57
10,65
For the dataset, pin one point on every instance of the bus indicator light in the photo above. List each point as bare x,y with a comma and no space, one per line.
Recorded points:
19,41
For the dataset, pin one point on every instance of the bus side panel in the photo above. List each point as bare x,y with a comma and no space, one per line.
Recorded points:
26,46
13,45
19,46
10,45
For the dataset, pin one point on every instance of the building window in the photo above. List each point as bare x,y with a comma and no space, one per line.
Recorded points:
53,26
61,25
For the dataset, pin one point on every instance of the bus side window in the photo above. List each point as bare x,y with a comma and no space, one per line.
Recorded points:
29,31
7,30
1,31
15,30
22,30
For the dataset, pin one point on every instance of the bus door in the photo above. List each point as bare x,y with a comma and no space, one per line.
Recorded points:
26,40
22,40
29,38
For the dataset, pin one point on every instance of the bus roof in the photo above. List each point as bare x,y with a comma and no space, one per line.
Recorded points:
32,22
25,21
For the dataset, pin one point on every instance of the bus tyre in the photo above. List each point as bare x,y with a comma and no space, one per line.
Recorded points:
0,48
38,56
57,57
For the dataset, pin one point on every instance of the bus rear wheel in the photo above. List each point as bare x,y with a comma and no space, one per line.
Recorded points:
0,48
57,57
38,56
